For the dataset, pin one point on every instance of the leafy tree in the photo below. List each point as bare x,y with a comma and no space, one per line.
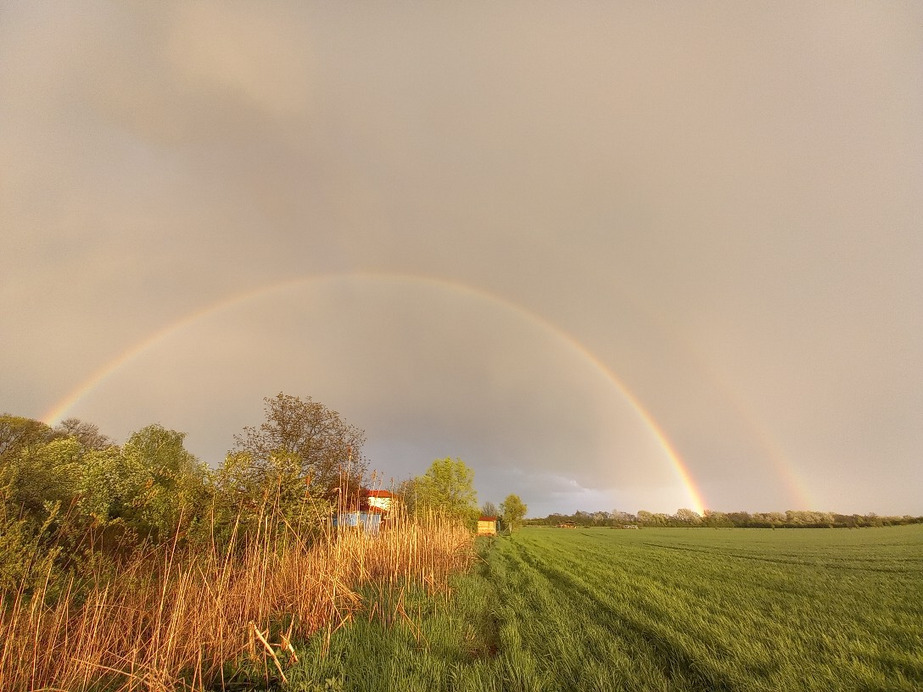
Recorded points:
715,519
171,478
513,510
87,434
489,509
646,518
44,474
147,486
26,558
240,497
621,518
107,485
324,447
687,517
447,486
39,524
18,433
37,488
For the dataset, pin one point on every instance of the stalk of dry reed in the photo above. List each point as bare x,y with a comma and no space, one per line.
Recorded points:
172,620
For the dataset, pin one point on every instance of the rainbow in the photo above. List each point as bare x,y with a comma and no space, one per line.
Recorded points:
61,408
768,446
791,478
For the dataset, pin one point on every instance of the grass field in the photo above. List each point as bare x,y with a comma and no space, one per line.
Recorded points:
653,609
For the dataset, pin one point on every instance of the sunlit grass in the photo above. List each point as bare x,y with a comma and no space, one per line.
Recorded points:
656,609
174,619
545,609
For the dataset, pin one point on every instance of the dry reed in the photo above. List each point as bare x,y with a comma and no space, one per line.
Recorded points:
179,619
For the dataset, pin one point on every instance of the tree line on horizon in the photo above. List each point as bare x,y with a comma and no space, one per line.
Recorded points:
791,519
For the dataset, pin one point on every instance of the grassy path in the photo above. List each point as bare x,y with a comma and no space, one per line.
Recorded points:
666,609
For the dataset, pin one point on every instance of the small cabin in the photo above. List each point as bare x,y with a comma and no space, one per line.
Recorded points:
366,512
487,526
567,525
380,499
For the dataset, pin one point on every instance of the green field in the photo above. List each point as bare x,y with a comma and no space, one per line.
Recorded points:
652,609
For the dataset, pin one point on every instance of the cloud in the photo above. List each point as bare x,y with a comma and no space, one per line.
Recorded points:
720,207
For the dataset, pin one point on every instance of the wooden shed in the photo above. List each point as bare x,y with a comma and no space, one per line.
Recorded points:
380,499
365,512
487,526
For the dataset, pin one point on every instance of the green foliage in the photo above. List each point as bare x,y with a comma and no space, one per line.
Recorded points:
18,434
87,434
448,487
108,485
25,560
43,473
151,486
513,511
323,447
37,470
241,493
169,480
71,493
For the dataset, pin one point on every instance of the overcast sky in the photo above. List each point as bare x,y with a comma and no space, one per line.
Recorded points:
578,245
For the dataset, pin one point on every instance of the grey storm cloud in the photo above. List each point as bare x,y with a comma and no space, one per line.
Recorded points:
561,242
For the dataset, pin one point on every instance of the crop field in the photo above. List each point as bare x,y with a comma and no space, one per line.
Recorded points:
652,609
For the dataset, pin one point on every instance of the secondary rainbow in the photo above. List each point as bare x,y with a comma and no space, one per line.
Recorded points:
60,409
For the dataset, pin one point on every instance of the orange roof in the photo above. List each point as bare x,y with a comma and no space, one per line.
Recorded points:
379,493
487,519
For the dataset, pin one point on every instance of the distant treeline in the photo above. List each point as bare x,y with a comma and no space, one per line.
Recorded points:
792,519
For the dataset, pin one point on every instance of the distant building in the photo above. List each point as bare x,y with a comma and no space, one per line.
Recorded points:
567,525
487,526
380,499
367,521
366,512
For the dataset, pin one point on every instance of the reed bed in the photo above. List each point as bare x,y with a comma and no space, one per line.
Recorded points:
177,618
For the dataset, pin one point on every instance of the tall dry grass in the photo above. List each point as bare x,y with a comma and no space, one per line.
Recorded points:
181,619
